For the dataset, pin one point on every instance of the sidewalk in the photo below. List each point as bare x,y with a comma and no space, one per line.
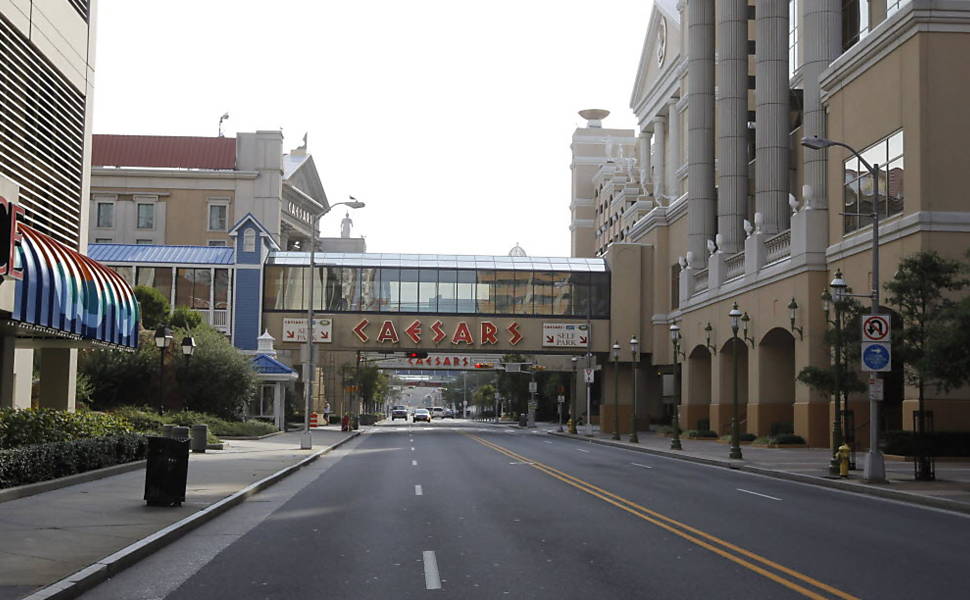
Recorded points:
951,490
52,535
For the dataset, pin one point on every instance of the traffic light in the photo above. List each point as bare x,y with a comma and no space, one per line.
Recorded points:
483,365
417,355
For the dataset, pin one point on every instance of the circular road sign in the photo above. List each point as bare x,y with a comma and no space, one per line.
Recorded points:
875,328
876,357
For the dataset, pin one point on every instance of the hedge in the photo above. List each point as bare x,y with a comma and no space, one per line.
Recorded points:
41,462
939,443
23,427
148,421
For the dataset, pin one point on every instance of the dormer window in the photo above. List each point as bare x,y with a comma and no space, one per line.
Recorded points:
249,240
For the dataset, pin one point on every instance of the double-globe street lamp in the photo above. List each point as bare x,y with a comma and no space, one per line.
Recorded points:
163,339
574,388
635,350
615,355
306,442
735,315
675,339
837,299
875,469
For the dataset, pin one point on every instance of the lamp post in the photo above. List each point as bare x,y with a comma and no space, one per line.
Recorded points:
163,337
615,355
188,346
635,350
589,396
675,339
836,298
735,316
875,469
575,393
306,442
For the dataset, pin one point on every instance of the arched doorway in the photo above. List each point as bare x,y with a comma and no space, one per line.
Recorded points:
773,411
722,412
696,413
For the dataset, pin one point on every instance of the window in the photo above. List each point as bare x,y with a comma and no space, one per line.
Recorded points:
249,240
858,190
893,6
146,216
792,38
193,288
159,278
217,243
220,287
855,22
127,273
143,242
102,240
218,214
106,215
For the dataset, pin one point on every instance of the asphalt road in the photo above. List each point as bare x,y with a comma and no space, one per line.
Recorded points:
464,510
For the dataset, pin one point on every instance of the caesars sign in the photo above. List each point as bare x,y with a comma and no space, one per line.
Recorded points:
9,237
487,332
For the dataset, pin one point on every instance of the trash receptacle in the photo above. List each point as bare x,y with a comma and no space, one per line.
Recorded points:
200,438
167,430
523,420
180,433
166,471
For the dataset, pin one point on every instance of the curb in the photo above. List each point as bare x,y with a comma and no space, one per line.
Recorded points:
838,484
79,582
22,491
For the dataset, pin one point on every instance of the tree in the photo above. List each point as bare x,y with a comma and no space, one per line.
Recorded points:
154,306
922,290
484,397
184,317
947,360
514,386
217,379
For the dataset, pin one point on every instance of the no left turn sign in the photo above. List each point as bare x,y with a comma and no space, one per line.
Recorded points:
875,328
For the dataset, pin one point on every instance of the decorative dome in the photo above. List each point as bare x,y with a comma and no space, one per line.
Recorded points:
517,251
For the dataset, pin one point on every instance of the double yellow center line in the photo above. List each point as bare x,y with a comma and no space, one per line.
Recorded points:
780,574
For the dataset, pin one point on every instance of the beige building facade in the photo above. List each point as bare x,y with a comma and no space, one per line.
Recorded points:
733,209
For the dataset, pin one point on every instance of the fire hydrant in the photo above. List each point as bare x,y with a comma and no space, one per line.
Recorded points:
844,460
345,423
571,426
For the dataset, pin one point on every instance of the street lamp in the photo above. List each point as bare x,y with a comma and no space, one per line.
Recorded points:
575,393
735,316
188,346
675,339
707,341
875,465
836,298
163,337
635,350
615,355
306,442
792,308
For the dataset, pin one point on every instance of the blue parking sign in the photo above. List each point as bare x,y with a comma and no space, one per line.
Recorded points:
876,356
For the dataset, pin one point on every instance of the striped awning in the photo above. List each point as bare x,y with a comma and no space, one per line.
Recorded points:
66,294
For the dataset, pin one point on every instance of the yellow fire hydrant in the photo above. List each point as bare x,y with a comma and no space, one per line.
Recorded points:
571,426
844,460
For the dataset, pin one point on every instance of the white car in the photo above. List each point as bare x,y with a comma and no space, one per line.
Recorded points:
437,412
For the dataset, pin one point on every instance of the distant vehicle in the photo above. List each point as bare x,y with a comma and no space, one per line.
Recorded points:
449,414
437,412
399,412
421,414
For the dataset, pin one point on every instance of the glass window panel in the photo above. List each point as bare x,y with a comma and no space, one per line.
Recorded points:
600,285
202,288
350,289
409,290
895,145
561,294
332,289
273,287
503,291
428,290
370,289
146,216
876,154
220,289
485,291
447,291
390,290
127,273
466,292
183,287
106,212
580,294
293,288
894,187
542,292
851,195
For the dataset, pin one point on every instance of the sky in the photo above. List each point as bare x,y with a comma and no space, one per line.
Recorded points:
451,119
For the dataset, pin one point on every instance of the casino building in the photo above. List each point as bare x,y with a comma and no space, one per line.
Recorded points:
732,208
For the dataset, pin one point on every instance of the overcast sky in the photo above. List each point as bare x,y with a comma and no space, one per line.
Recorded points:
451,119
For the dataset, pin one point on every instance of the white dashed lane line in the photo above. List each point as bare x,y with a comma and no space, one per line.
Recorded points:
757,494
641,466
414,463
581,450
418,491
432,580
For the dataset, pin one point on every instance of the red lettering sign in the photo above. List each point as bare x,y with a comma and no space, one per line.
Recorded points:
439,333
359,330
388,333
488,333
414,331
462,334
9,237
514,336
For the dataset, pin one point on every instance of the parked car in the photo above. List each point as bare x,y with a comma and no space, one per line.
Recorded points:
399,412
437,412
449,414
421,414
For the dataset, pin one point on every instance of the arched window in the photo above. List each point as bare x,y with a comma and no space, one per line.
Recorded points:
249,240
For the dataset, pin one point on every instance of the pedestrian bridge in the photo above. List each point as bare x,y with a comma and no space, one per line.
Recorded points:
439,303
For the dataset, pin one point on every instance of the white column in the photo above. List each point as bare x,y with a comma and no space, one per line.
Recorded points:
821,37
659,150
700,126
771,135
644,151
732,114
674,126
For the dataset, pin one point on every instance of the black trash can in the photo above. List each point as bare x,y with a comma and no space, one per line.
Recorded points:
166,471
523,420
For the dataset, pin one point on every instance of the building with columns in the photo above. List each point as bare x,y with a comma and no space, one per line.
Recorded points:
731,208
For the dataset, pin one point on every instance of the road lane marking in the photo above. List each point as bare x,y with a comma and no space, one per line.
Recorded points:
418,491
757,494
414,463
641,466
689,533
412,448
581,450
432,580
547,441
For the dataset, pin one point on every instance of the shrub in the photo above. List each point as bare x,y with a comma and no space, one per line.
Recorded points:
939,443
41,462
40,426
185,318
698,434
147,421
788,438
747,437
154,306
